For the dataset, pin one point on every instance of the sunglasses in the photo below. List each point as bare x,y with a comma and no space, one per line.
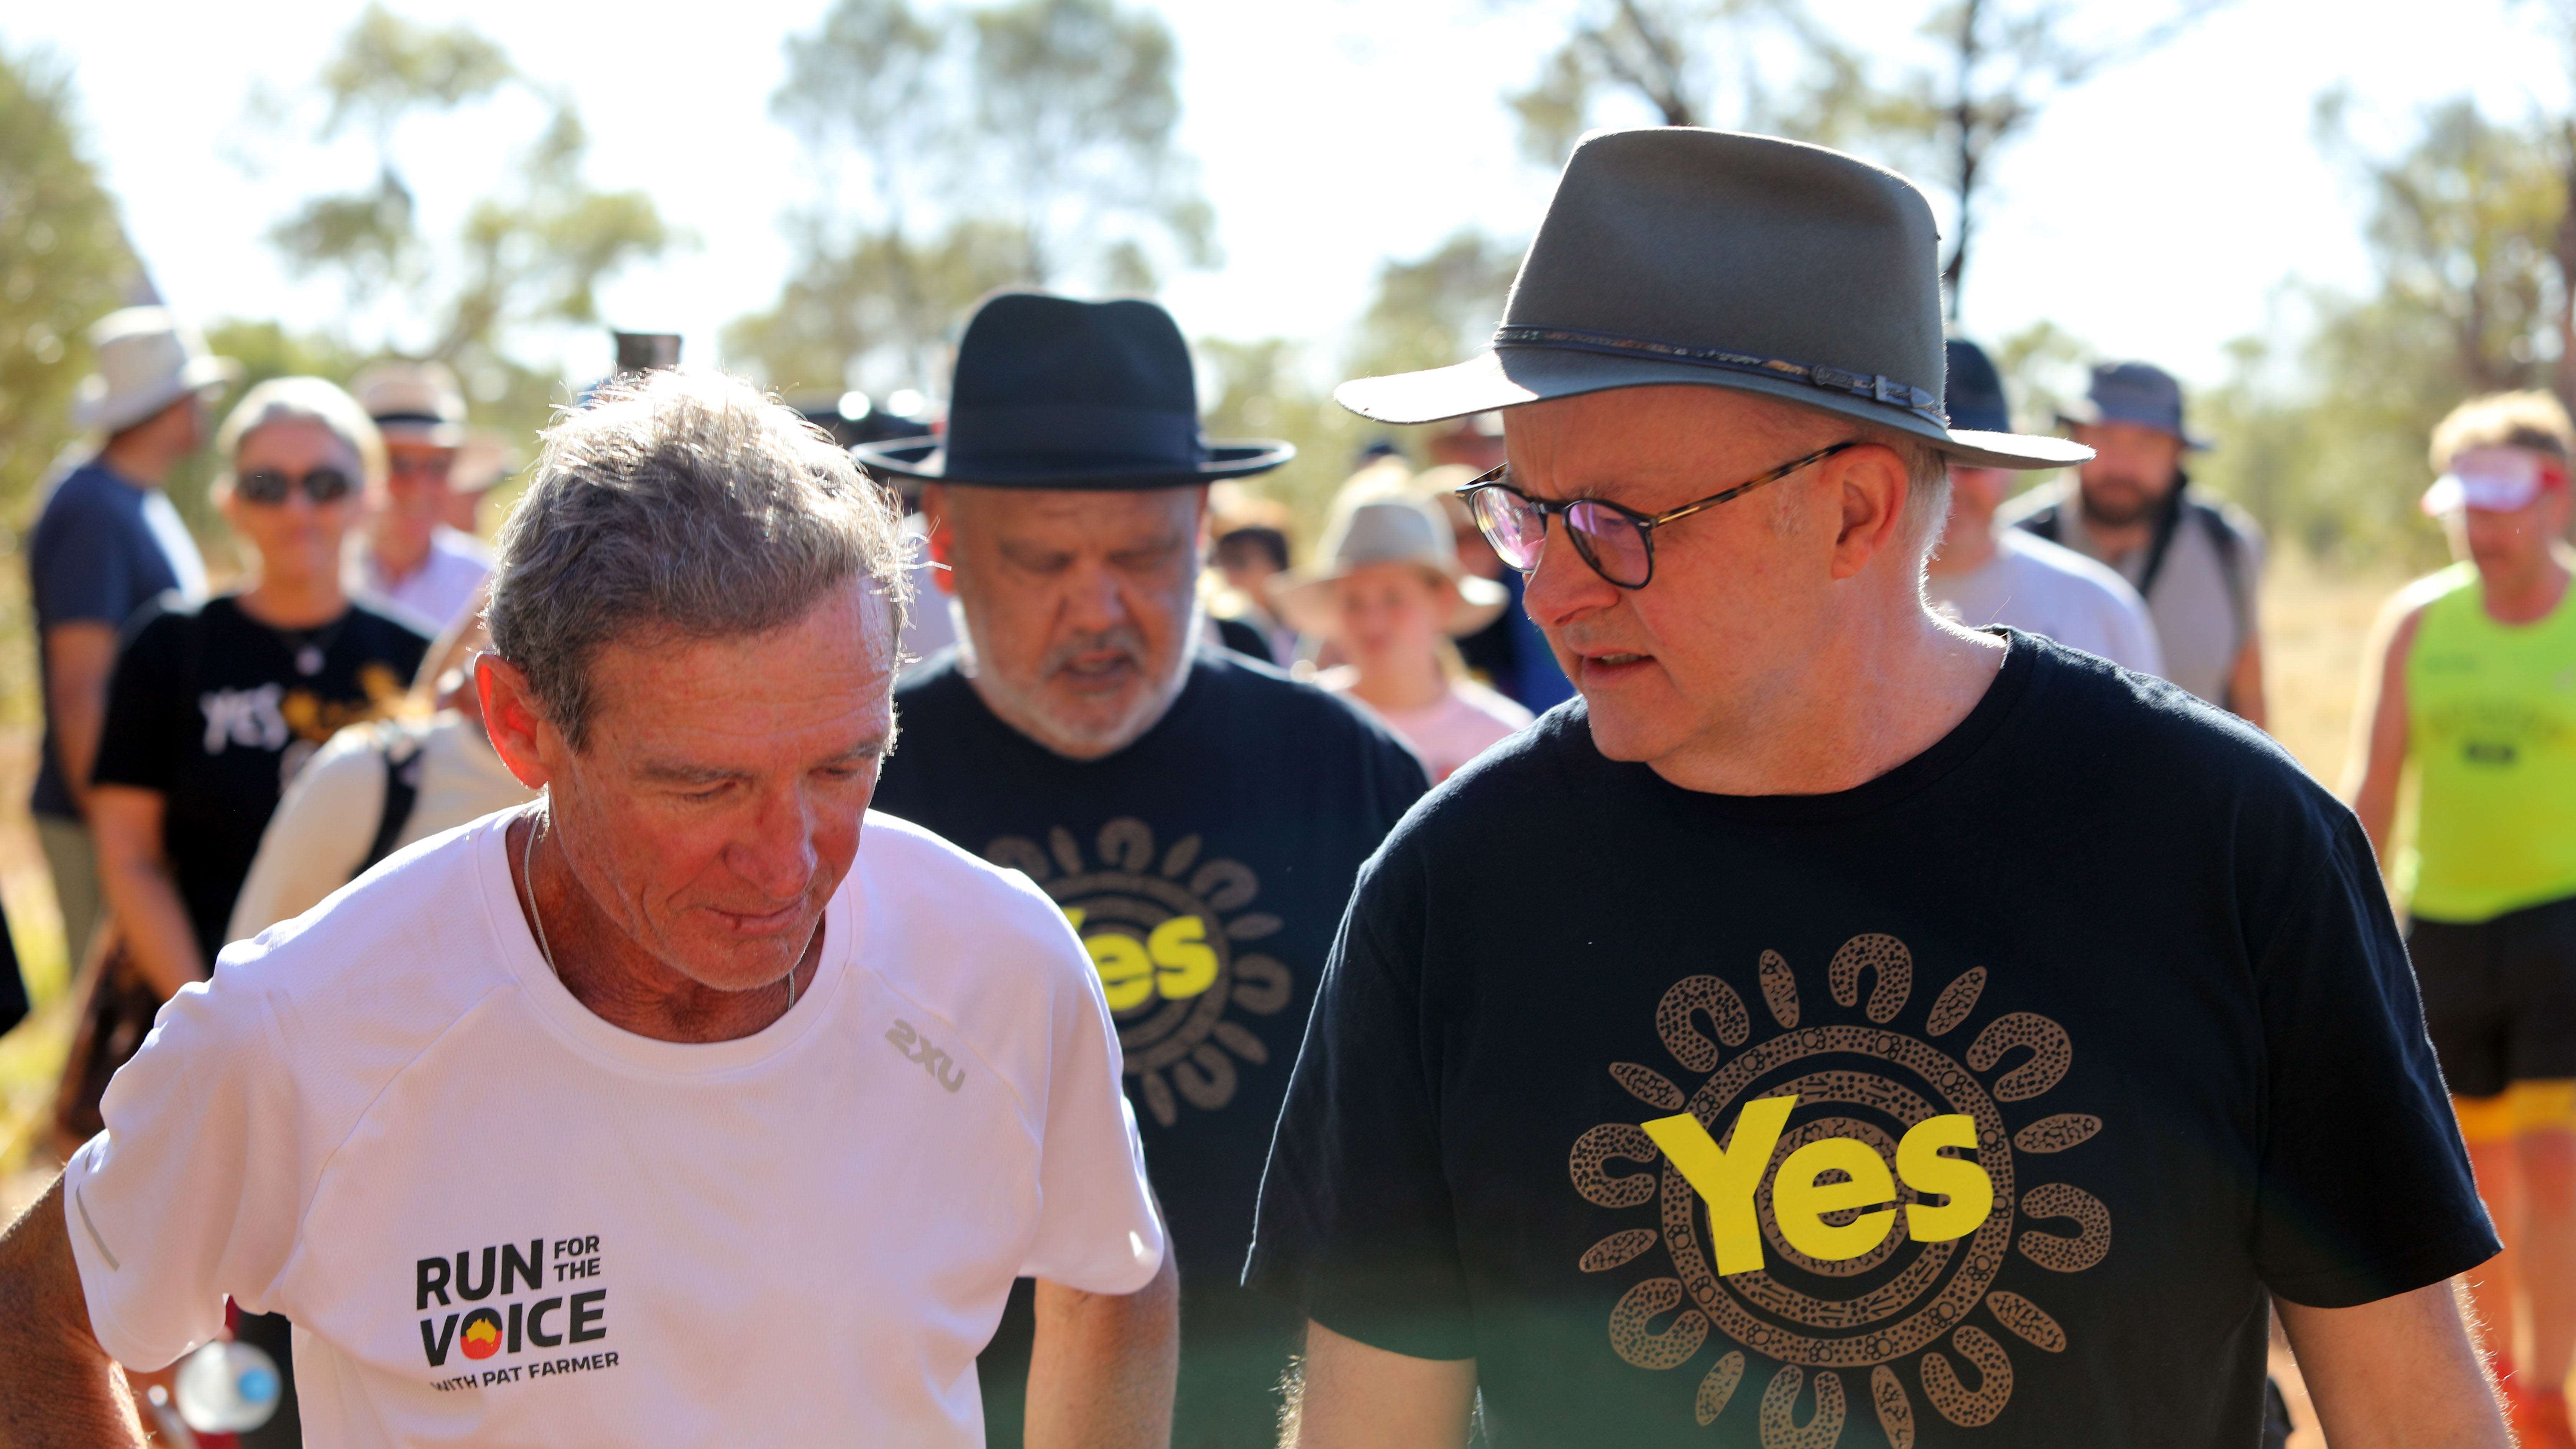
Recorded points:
268,487
1619,543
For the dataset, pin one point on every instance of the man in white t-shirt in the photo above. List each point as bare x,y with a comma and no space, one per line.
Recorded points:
1981,574
680,1109
409,557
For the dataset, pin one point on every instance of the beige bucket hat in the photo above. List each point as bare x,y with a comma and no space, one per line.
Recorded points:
413,402
1384,529
146,361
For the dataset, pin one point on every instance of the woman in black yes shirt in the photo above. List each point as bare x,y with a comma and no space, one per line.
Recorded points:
214,707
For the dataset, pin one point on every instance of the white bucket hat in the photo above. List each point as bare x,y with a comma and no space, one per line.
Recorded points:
146,361
413,402
1386,529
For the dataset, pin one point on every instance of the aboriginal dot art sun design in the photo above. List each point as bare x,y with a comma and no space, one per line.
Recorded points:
1881,1306
1167,931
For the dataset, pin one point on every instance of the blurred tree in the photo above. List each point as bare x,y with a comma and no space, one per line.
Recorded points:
1430,311
1437,310
533,253
64,264
1999,68
1994,69
1759,65
2324,424
959,151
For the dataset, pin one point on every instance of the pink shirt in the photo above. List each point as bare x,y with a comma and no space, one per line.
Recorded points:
1448,734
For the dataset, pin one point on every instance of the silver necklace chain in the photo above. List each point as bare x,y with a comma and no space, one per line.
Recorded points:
528,868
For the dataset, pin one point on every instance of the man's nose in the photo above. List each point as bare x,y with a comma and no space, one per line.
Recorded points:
777,856
1563,585
1094,603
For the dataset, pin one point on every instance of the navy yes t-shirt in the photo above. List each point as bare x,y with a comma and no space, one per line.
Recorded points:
215,712
1206,867
2115,940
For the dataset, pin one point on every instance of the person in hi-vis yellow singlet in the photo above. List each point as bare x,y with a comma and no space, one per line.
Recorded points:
2475,688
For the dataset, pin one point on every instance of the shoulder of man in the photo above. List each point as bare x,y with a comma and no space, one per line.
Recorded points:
977,946
2035,511
1307,711
460,544
2036,552
360,989
2244,537
383,629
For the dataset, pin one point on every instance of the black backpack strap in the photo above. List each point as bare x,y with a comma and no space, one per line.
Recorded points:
401,750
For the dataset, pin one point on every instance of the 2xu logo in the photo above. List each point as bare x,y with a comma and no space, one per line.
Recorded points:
908,1040
1802,1201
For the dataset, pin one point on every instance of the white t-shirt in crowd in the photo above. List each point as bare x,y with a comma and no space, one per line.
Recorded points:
2040,588
496,1219
1466,721
437,593
323,827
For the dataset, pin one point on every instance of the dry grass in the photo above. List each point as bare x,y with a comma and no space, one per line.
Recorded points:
2316,622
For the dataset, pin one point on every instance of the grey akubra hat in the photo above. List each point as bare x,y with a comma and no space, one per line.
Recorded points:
1709,258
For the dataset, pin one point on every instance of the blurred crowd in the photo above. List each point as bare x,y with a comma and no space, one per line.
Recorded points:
221,756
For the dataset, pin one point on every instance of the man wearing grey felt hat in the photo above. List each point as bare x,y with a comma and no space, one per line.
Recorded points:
1777,1042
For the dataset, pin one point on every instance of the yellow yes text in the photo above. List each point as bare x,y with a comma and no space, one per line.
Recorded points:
1173,960
1801,1201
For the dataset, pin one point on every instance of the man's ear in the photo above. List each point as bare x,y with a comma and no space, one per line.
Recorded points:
518,729
1873,486
941,536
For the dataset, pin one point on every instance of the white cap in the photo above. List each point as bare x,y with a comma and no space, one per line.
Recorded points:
2495,479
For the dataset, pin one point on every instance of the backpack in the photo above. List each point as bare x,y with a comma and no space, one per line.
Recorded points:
400,748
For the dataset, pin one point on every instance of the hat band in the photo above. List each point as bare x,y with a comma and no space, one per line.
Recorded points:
1867,386
412,420
1146,437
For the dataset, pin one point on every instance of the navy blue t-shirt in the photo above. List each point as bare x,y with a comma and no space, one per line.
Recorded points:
2050,1051
1206,867
94,558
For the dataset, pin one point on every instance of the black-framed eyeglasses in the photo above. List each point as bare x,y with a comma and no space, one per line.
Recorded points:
1619,543
269,487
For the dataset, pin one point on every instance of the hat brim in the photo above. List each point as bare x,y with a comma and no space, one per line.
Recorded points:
1304,598
2083,413
1509,377
109,413
927,459
428,435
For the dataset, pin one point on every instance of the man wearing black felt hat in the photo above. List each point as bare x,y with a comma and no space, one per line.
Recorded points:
1199,817
1839,1026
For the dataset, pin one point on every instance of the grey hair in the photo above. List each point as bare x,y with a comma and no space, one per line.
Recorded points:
687,503
301,399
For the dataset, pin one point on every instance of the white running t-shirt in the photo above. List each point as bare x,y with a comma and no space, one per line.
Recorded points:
2040,588
496,1219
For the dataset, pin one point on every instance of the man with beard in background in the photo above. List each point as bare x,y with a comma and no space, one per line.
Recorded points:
2197,562
1199,818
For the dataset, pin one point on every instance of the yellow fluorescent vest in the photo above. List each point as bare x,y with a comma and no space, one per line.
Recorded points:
2491,731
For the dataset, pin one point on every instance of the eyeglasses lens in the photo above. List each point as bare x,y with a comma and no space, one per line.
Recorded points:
1516,528
1611,542
326,485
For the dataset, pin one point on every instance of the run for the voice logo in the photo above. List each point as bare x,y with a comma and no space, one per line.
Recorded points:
506,1302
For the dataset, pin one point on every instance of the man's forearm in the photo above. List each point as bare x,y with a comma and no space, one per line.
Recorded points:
2400,1373
79,659
57,1386
1102,1369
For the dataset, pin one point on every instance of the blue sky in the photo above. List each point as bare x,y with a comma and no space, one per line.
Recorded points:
2155,212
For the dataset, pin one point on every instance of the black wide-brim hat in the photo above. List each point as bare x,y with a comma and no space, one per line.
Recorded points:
1054,393
1714,259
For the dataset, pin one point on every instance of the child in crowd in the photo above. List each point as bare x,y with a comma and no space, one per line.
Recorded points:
1387,594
